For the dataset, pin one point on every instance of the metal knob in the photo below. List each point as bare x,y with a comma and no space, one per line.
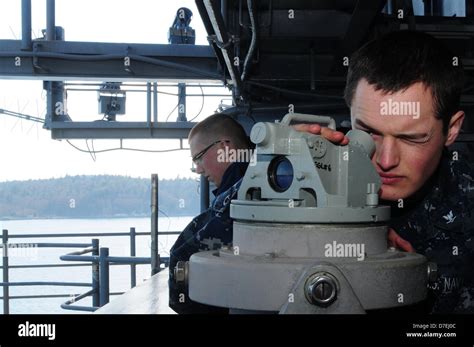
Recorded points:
181,272
321,290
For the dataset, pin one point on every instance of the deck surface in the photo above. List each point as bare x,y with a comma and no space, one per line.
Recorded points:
149,297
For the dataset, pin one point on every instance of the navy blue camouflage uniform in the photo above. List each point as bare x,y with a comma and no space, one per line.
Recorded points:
439,223
210,230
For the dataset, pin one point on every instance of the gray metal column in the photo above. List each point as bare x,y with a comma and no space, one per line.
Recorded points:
224,10
26,25
104,276
133,267
55,104
155,260
148,104
204,190
182,102
50,20
95,275
6,288
155,102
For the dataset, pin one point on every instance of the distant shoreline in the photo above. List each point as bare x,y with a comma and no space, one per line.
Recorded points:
95,197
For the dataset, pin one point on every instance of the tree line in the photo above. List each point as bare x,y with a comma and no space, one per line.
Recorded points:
101,196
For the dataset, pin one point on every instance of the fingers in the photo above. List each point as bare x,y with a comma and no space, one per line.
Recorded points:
334,136
309,128
395,240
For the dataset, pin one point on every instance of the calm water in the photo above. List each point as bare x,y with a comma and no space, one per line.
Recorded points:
118,246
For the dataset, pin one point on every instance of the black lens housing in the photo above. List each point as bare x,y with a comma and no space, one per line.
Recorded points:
280,174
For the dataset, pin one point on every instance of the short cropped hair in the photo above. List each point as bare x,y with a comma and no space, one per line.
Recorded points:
399,59
218,125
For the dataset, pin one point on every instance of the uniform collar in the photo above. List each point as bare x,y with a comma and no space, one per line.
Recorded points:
233,173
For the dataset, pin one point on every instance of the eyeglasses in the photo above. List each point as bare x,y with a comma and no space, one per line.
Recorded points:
197,158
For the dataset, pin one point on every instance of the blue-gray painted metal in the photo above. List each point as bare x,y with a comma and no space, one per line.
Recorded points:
68,305
64,60
104,276
155,102
26,43
97,292
82,251
43,266
155,262
133,267
22,116
88,258
48,296
55,105
44,283
6,290
50,20
119,130
182,102
143,233
224,11
95,275
58,245
148,104
129,260
204,196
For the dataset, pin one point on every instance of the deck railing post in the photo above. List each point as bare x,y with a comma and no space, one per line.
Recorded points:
104,276
155,260
133,267
95,275
6,288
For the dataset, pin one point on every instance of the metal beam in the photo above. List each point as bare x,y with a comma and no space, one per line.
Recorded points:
120,130
63,60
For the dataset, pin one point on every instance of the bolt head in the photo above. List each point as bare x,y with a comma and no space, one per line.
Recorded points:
321,290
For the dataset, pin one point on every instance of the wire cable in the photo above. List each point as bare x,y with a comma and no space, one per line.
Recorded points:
169,114
253,41
126,149
202,104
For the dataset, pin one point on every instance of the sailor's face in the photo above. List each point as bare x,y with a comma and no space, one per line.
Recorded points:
207,163
408,137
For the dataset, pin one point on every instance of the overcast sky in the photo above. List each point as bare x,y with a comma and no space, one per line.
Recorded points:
28,152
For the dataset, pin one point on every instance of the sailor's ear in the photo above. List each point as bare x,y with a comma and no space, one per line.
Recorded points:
454,127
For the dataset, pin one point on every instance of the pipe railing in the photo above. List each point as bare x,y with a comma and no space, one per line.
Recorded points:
100,261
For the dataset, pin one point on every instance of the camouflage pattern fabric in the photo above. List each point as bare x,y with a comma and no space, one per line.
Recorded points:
210,230
439,224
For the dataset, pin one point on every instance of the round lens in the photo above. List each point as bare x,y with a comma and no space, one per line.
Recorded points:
280,174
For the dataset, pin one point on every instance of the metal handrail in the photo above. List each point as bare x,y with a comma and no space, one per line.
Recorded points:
100,293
